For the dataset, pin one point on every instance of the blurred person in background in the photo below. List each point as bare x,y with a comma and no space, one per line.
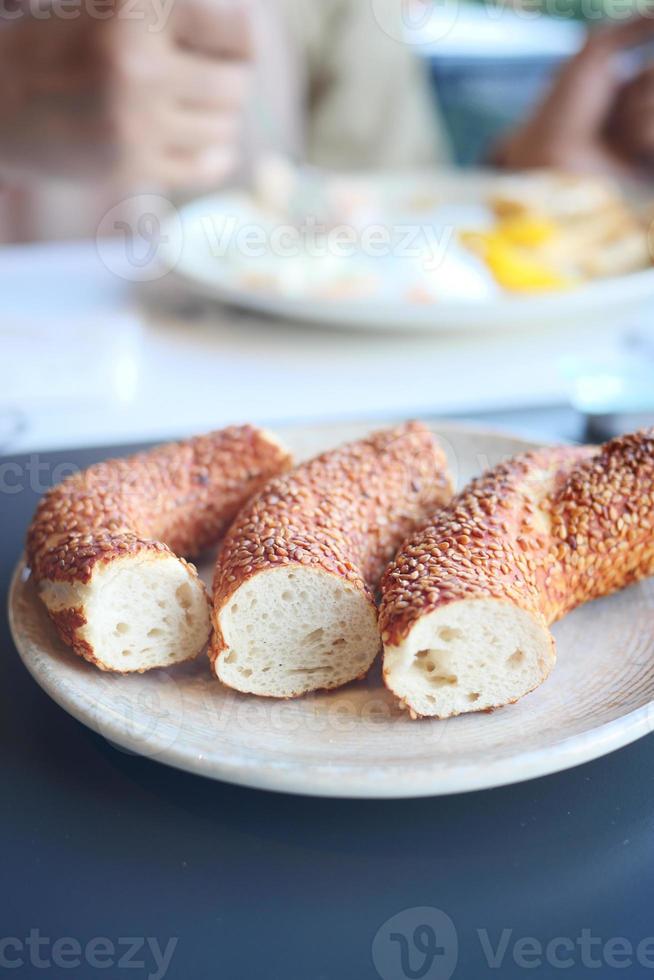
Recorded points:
593,119
102,100
182,95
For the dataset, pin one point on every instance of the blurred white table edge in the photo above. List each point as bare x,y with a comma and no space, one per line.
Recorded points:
86,364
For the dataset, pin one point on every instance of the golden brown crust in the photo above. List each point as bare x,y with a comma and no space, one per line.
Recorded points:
179,498
344,512
545,531
602,525
67,623
176,499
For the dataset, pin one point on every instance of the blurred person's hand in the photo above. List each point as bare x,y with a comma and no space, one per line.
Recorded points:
153,100
583,123
631,126
178,92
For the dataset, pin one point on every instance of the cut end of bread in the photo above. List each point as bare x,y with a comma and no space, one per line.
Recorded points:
147,613
141,611
469,655
290,630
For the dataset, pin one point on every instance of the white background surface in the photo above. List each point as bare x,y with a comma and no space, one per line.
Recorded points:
87,362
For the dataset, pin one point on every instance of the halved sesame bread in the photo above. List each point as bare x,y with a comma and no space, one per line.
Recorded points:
517,549
103,546
294,608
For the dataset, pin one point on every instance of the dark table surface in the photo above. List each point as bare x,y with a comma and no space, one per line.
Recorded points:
117,866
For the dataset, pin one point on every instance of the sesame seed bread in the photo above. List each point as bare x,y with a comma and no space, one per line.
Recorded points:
103,545
521,546
294,609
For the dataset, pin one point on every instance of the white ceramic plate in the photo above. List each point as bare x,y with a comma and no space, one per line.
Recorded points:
355,741
195,244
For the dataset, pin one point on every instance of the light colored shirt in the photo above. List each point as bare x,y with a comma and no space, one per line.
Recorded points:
337,87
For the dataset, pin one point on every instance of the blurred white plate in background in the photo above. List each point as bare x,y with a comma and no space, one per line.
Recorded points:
417,276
